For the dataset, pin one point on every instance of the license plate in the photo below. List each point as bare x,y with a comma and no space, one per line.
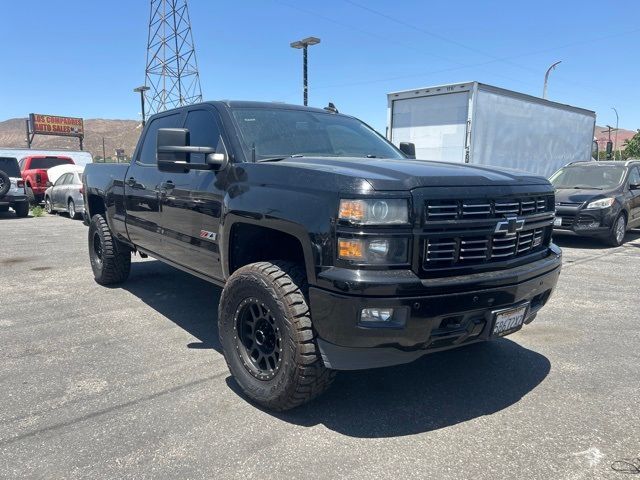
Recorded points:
510,320
557,222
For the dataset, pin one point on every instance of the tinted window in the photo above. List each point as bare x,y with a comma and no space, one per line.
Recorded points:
9,166
634,177
62,180
48,162
280,132
592,176
149,147
203,132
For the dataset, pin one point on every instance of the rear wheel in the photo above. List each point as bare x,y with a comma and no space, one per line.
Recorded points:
31,196
110,259
267,336
618,231
22,209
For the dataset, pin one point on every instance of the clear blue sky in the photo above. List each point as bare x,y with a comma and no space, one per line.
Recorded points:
82,58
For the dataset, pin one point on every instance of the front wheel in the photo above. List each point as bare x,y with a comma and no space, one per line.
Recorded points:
71,208
266,333
110,259
48,206
618,231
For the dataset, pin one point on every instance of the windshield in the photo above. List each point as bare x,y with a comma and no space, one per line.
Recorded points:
48,162
596,177
281,133
10,167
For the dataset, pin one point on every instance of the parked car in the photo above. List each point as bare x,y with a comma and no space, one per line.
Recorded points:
34,173
598,199
66,193
335,251
12,193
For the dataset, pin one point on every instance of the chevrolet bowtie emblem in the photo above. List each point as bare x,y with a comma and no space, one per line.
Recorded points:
510,225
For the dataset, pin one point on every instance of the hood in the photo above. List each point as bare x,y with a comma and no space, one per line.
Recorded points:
405,174
578,196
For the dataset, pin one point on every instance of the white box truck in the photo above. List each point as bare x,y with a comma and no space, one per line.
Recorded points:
476,123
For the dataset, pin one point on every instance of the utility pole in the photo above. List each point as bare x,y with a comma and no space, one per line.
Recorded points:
546,78
141,90
104,155
28,132
303,44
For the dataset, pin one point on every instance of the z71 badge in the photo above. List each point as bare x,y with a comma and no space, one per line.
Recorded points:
208,235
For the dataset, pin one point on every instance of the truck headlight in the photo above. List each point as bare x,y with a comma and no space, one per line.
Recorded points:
602,203
375,251
374,211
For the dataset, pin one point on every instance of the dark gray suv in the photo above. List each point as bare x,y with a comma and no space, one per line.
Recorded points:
12,193
598,199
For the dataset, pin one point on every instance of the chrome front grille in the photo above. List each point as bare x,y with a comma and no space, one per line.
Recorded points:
449,251
444,210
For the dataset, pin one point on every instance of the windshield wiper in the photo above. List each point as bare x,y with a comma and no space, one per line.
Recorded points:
585,187
277,159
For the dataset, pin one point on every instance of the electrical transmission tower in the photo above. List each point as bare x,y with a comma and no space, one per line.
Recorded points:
172,71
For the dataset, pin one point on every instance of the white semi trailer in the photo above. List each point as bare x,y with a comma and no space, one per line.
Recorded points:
476,123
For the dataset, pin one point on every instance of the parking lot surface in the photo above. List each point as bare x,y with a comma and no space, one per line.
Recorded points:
130,382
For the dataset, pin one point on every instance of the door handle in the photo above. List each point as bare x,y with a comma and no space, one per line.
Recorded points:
131,182
168,185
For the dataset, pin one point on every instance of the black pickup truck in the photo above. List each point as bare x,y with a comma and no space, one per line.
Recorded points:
336,250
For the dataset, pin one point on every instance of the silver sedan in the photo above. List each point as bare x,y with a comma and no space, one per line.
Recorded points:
65,196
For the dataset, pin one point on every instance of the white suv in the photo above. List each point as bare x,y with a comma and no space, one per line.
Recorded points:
12,192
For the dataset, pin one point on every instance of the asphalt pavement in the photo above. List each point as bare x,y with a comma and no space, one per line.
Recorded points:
130,382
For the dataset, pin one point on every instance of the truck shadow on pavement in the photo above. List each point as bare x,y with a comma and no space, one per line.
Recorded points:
436,391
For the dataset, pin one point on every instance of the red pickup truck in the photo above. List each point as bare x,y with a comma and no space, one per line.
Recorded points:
34,173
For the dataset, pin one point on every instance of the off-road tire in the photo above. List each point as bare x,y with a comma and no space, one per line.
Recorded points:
113,262
280,287
5,183
22,209
614,238
31,197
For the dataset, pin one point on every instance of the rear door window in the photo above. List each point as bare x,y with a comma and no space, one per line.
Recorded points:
10,166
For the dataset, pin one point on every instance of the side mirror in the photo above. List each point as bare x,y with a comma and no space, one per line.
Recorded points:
174,152
408,148
49,184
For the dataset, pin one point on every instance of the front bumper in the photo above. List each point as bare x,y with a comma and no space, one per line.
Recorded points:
444,313
590,223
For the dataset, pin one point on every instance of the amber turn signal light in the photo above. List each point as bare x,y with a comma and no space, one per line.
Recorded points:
350,249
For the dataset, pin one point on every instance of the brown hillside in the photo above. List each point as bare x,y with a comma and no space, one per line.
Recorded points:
116,133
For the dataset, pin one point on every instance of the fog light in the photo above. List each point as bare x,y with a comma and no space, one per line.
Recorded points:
383,317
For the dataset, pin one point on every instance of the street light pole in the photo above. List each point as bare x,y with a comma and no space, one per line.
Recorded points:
303,44
546,78
615,141
141,90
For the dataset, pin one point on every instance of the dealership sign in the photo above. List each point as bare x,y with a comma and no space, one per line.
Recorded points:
54,125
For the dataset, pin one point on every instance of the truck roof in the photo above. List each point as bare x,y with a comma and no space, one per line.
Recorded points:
252,104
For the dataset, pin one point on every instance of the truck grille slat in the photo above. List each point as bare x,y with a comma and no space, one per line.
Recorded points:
447,210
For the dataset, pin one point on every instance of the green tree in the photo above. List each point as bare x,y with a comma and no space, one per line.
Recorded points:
632,146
